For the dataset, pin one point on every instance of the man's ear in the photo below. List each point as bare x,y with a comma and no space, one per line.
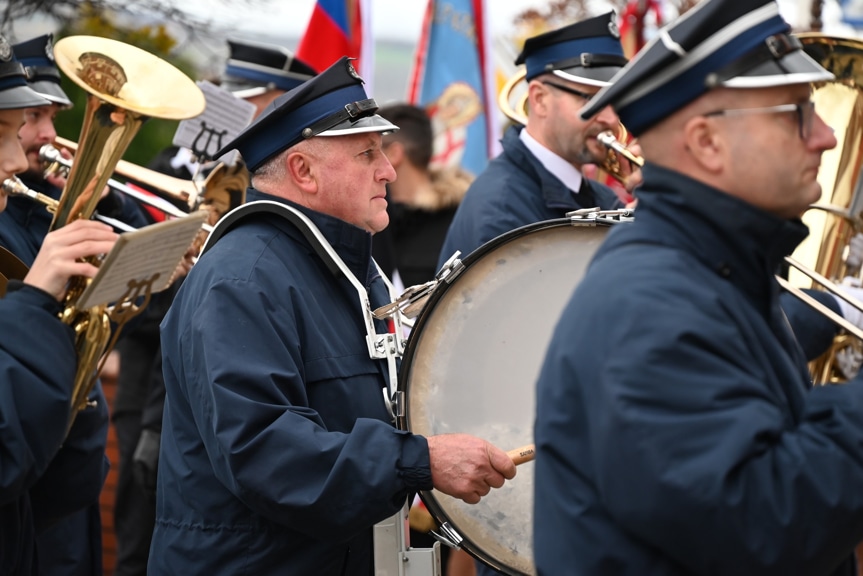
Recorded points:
395,153
538,96
300,169
706,144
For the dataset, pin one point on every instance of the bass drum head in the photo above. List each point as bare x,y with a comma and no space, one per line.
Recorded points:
471,364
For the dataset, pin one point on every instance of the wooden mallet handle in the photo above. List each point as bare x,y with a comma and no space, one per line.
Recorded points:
522,454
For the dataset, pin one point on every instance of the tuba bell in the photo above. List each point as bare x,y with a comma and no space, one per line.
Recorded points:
125,85
513,104
838,216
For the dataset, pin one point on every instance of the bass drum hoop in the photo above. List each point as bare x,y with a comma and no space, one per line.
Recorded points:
550,257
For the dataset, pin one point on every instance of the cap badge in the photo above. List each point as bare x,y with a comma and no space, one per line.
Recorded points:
353,72
5,49
49,49
613,29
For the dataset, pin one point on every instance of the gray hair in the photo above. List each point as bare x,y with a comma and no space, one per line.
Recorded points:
273,170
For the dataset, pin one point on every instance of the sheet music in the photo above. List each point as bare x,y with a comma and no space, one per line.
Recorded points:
221,121
138,255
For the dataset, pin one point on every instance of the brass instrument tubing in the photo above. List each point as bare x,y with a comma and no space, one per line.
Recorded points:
50,154
608,140
819,307
823,281
14,187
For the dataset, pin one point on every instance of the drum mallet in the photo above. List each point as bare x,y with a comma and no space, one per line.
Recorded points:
522,454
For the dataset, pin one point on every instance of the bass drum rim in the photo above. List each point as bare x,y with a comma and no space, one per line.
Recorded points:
414,341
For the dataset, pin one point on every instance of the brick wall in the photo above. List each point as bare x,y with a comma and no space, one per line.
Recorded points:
106,499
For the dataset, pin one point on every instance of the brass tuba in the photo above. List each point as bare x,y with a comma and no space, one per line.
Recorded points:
514,107
126,85
835,219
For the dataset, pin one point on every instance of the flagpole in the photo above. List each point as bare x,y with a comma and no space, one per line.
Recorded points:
492,115
367,50
416,77
816,24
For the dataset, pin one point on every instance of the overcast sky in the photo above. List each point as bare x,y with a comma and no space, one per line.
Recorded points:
402,19
392,19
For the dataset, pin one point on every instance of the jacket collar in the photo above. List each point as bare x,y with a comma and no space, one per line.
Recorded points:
554,192
352,244
732,237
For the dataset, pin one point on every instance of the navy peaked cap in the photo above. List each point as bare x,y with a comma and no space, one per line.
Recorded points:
719,43
43,76
333,103
588,52
254,68
14,92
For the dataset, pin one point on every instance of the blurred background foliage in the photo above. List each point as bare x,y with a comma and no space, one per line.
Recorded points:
156,133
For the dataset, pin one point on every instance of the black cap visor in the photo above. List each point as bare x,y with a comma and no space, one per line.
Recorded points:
20,97
796,67
52,92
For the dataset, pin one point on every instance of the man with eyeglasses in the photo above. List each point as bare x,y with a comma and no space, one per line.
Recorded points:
538,176
677,431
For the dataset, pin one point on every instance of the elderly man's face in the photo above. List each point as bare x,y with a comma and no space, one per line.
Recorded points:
775,156
353,172
37,131
12,159
565,133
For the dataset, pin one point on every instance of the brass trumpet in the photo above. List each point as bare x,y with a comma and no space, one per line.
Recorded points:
183,191
56,164
14,187
518,113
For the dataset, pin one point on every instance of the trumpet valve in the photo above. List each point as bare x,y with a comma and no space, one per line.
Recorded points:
53,162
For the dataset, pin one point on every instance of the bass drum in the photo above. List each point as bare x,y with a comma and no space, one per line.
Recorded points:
471,363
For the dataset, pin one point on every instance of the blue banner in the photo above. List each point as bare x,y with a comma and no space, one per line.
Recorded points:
451,76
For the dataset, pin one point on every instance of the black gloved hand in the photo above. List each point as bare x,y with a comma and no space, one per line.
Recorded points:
145,460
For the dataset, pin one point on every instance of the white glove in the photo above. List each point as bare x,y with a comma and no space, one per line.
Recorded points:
850,286
855,251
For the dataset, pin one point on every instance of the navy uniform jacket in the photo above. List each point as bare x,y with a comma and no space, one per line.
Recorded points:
277,452
67,543
34,412
677,431
513,191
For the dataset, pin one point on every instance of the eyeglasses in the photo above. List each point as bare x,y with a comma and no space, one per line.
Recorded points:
805,114
568,90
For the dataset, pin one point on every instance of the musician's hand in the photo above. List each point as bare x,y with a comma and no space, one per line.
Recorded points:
467,467
145,460
58,259
633,175
855,252
185,264
850,287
